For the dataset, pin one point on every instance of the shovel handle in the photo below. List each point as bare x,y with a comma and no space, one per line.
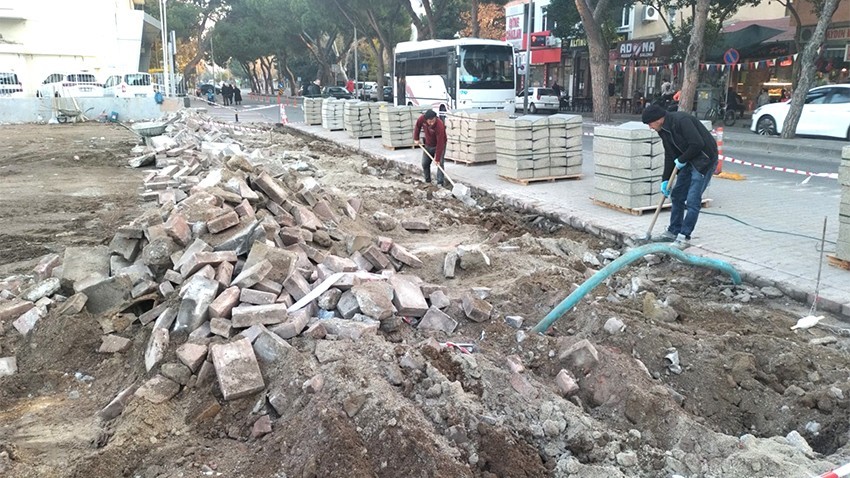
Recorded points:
661,204
437,164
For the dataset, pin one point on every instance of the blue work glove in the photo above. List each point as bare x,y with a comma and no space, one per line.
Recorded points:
679,164
664,190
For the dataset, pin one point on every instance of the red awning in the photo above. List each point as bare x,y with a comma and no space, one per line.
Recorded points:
547,55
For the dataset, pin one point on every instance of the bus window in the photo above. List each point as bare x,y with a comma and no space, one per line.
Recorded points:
486,67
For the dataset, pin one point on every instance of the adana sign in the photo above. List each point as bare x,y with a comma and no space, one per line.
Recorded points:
638,49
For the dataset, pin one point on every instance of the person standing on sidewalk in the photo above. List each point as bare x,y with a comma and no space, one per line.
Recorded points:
435,144
691,149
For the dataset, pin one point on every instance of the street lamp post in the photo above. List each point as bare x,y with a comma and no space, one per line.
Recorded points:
165,56
527,55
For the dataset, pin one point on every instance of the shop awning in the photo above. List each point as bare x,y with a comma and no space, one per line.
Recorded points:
750,38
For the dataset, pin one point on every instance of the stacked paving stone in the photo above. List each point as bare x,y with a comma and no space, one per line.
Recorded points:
228,272
361,119
532,147
332,114
842,247
470,135
313,111
397,125
629,161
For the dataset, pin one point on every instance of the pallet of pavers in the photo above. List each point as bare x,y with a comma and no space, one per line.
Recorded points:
313,111
397,125
842,246
628,162
471,135
360,119
332,111
535,148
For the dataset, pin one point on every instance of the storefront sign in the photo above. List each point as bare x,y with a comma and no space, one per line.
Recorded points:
847,52
638,49
842,33
514,19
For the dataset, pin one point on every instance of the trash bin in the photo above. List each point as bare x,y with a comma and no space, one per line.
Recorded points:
706,96
186,102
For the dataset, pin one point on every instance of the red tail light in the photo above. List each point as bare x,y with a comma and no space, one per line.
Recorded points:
538,94
123,88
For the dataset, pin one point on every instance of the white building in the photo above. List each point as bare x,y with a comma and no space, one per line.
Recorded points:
41,37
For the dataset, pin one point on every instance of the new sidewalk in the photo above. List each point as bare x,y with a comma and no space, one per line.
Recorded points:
769,231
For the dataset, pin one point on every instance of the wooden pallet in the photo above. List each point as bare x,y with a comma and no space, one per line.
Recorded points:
837,262
393,148
640,211
469,163
527,181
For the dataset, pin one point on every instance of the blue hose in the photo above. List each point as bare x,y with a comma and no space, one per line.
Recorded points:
623,261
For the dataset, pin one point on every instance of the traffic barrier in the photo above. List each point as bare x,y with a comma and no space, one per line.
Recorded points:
718,135
283,118
838,472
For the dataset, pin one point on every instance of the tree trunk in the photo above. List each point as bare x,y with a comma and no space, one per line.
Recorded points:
414,18
807,66
598,56
266,73
189,69
476,28
429,17
293,87
695,47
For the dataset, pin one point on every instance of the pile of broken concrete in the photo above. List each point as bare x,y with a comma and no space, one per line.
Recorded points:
237,254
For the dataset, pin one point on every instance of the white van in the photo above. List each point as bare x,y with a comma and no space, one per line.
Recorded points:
79,84
10,86
129,85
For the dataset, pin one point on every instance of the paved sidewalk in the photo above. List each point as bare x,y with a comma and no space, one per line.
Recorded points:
779,244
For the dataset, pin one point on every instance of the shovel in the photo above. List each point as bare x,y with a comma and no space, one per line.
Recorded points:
660,204
459,191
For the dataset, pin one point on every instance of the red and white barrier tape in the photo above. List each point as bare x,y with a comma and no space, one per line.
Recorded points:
838,472
780,169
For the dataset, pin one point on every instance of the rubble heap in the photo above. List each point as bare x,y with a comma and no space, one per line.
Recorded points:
471,134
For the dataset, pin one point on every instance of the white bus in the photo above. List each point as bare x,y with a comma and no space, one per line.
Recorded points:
455,74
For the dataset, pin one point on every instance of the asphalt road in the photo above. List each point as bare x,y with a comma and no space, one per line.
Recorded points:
746,147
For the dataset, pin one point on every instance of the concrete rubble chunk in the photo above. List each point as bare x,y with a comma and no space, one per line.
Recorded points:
177,372
247,315
225,302
82,262
579,357
439,299
221,327
158,390
116,407
113,344
314,384
14,308
476,310
435,319
261,427
566,383
293,326
270,347
348,305
297,286
349,329
250,276
203,258
44,288
26,322
125,247
192,355
404,256
155,350
375,299
237,369
407,297
282,261
46,265
8,366
329,299
194,308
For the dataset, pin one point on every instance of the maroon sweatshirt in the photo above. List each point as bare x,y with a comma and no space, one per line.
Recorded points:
435,136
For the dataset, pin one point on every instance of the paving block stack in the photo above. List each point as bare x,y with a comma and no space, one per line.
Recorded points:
397,125
361,118
842,248
471,134
313,111
629,161
332,111
532,146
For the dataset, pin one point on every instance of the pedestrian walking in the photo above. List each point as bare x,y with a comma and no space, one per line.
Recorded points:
690,148
227,93
434,143
763,98
314,89
237,95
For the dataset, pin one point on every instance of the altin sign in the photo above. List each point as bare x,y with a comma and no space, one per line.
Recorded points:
634,50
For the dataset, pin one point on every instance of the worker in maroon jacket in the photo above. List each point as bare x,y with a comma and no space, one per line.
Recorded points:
435,143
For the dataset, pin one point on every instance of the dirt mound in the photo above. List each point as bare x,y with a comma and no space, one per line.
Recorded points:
724,388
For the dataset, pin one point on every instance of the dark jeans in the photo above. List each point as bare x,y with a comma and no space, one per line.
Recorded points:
686,199
426,166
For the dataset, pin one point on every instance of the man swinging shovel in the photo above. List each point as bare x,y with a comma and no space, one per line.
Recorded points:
434,148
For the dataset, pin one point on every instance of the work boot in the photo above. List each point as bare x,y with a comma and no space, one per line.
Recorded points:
681,242
665,236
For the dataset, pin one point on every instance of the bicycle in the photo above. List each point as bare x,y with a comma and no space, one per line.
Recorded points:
718,110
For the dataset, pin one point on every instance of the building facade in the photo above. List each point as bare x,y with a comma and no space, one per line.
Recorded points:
545,49
42,37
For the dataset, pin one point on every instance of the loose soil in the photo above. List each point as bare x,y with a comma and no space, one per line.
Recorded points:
397,404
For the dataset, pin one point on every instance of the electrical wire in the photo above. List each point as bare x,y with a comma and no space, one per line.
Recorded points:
774,231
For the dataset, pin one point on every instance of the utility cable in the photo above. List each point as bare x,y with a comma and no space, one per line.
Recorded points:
774,231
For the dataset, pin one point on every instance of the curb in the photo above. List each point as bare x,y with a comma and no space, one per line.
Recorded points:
842,311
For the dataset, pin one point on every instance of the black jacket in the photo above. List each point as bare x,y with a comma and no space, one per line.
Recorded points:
685,138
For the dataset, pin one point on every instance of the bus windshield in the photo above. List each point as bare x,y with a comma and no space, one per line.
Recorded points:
486,67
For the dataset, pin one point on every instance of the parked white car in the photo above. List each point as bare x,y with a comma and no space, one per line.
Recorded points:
129,85
80,84
538,99
825,113
364,89
10,86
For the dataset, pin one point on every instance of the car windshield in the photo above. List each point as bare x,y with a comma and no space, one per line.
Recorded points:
545,92
487,67
137,79
82,78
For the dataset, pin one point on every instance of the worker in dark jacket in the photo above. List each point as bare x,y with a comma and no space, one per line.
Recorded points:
690,148
435,144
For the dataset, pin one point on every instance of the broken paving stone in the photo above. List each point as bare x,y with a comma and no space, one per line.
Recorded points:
439,299
237,369
329,299
113,344
158,390
155,350
192,355
472,257
353,403
316,331
339,264
435,319
294,324
376,257
297,286
581,357
450,265
515,364
375,299
416,225
402,255
771,292
221,327
26,322
384,221
282,261
566,383
197,298
520,383
350,329
222,305
476,310
8,366
44,288
251,275
105,295
314,384
82,262
270,347
407,298
223,222
614,326
256,297
514,321
46,265
176,372
14,308
248,315
348,305
116,407
261,427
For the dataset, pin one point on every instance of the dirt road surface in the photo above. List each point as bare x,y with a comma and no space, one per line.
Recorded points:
750,397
